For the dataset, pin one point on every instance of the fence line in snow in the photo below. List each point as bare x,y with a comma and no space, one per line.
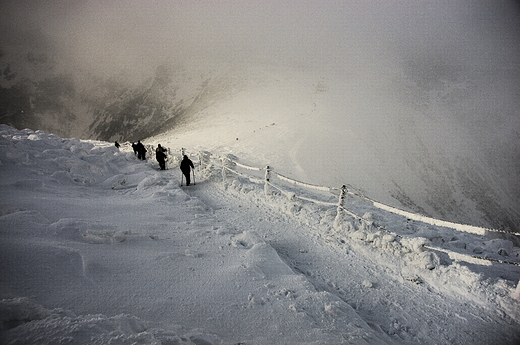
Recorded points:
414,216
470,258
228,163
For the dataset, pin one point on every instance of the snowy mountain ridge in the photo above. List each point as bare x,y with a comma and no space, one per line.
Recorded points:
98,245
420,138
331,128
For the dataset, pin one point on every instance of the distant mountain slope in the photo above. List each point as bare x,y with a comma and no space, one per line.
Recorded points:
429,135
36,94
332,129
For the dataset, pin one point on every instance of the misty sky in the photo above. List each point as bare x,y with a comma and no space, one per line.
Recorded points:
427,41
135,34
454,64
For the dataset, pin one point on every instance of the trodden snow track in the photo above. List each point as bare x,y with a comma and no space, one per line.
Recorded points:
99,247
394,302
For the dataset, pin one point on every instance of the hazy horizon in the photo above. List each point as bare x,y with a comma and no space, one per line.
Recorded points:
138,35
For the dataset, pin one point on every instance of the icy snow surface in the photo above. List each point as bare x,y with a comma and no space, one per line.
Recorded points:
98,247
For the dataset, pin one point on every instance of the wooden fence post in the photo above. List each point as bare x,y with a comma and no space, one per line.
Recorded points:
204,158
341,203
267,188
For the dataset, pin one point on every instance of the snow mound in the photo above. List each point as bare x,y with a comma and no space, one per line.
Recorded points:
99,247
24,322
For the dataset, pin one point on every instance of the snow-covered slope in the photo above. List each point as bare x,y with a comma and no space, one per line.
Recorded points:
333,128
414,102
446,148
99,247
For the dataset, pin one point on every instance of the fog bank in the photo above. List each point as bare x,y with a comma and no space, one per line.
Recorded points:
426,92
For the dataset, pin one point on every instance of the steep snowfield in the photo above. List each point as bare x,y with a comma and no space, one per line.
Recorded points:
360,125
99,248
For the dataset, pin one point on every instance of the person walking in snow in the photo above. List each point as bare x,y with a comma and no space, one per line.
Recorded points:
186,164
160,155
117,145
134,147
141,150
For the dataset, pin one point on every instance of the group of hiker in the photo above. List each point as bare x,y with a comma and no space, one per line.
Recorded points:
139,150
160,154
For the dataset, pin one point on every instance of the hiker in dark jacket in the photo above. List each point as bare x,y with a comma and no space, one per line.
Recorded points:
185,168
141,150
160,155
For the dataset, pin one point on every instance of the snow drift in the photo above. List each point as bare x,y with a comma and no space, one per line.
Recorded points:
414,102
97,246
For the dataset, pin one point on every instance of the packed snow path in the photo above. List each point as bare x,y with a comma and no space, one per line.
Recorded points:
99,247
390,300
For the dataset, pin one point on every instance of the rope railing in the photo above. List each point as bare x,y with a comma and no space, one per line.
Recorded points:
258,180
303,184
453,255
470,258
437,222
414,216
325,203
247,166
341,209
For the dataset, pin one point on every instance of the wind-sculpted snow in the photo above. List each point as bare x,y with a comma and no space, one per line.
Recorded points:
99,247
30,323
